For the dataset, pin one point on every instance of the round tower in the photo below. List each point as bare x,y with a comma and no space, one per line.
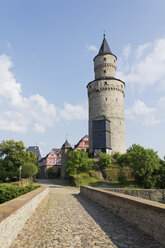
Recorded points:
65,150
106,105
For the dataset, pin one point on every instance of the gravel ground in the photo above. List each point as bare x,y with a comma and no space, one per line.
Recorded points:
67,219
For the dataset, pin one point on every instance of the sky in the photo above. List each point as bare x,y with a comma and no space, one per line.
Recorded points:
46,60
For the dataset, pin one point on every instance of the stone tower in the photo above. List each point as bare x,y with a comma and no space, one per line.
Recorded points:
106,105
66,148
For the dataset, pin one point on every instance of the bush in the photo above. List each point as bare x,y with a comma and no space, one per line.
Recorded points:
29,170
144,163
52,174
9,191
122,178
105,160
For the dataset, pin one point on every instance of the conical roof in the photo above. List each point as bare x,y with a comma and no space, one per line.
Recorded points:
104,47
66,144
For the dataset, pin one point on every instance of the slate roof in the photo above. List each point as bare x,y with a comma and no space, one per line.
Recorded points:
104,47
66,145
36,150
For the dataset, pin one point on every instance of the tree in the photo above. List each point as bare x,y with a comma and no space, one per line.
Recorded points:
29,170
78,161
144,163
12,156
105,160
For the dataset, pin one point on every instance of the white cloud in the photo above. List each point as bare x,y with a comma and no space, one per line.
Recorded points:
141,113
142,49
77,112
148,65
18,113
92,48
39,128
126,51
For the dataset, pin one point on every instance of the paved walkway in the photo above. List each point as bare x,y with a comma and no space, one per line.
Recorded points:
67,219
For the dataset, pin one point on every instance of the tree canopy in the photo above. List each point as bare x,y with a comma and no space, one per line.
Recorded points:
144,163
78,161
12,156
29,170
105,160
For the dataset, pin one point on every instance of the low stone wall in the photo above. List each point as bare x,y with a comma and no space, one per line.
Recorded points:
149,194
14,214
149,216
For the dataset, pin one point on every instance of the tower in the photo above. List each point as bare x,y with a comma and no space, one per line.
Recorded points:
66,149
106,105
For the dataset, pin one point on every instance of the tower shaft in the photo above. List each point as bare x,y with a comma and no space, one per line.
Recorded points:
106,104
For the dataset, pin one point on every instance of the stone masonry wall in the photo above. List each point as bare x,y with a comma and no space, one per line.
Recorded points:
14,214
106,98
149,194
149,216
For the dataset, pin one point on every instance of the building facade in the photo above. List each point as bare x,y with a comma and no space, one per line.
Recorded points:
106,105
83,144
51,159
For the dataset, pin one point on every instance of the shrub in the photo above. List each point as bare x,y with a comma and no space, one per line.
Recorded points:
29,170
105,160
122,178
9,191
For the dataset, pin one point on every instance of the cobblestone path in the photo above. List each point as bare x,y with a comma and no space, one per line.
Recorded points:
67,219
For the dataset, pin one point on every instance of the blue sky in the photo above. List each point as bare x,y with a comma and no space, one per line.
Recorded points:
46,61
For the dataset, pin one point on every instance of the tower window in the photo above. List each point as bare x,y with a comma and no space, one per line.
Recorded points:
104,71
106,99
105,83
104,59
114,60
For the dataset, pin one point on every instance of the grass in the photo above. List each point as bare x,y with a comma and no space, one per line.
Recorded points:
84,179
127,185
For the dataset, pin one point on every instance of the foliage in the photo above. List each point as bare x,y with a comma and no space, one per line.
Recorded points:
105,160
85,179
78,161
9,191
53,174
12,156
121,177
143,163
29,170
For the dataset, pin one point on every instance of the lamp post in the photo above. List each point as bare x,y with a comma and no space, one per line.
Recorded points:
20,168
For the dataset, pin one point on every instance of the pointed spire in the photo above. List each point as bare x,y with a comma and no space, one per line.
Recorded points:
104,47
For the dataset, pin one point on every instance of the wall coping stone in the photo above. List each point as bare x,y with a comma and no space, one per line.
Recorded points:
137,200
149,216
10,207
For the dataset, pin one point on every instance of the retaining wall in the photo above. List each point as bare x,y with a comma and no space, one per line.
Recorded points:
14,214
149,216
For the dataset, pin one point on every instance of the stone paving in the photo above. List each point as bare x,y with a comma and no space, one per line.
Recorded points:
67,219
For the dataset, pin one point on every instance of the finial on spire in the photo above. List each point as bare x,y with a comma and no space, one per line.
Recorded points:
104,32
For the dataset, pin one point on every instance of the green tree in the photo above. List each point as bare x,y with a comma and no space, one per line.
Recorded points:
29,170
144,163
12,156
78,161
105,160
